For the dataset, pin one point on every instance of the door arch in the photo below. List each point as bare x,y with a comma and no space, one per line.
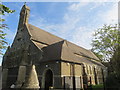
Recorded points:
48,79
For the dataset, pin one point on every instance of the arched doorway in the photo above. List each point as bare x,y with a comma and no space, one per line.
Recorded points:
48,79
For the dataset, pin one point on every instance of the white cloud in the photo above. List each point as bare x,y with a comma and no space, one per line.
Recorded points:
111,16
82,37
77,6
97,4
70,20
72,30
39,21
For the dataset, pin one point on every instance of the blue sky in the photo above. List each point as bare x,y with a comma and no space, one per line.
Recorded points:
73,21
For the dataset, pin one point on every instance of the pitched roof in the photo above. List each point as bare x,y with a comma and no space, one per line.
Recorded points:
61,51
57,48
42,36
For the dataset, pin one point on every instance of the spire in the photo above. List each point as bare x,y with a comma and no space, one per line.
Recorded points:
24,15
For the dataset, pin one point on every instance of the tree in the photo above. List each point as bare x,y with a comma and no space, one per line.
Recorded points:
115,61
3,11
106,45
105,42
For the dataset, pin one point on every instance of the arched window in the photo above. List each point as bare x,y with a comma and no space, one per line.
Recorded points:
90,70
87,69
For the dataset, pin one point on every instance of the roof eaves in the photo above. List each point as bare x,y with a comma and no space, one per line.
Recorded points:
38,41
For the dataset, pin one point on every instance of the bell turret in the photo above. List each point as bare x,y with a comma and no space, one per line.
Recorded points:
24,15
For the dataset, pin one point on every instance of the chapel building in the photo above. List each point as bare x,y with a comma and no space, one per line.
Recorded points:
38,59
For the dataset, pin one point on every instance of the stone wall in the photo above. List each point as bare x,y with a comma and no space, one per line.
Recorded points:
54,66
71,75
93,75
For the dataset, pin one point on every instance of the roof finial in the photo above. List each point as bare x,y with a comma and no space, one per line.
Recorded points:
24,3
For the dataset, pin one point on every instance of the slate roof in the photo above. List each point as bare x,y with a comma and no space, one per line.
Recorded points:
56,48
42,36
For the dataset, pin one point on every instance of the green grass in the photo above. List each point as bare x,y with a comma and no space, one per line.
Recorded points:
98,86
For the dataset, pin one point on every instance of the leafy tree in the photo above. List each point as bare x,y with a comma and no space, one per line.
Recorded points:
3,11
105,42
106,45
115,61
